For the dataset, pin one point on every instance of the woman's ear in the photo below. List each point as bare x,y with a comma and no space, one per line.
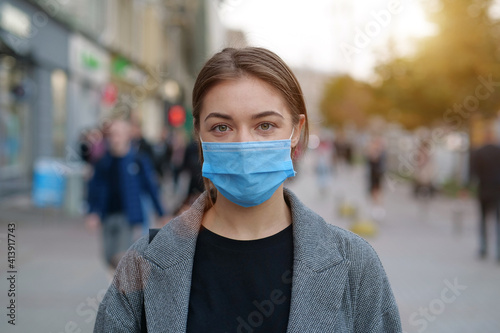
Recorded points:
297,132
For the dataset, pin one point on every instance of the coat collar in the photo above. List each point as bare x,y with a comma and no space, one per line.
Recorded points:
318,264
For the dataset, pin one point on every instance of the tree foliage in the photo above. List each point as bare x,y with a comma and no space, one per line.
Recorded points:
346,100
442,75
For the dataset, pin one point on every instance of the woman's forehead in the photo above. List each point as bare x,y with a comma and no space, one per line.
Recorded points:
243,97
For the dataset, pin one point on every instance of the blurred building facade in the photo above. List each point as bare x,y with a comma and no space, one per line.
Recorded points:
67,65
312,83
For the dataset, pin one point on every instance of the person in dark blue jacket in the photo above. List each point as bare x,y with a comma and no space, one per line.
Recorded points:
114,192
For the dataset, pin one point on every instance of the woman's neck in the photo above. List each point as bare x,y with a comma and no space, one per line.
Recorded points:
230,220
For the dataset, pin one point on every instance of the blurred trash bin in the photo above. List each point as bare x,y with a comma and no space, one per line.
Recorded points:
48,182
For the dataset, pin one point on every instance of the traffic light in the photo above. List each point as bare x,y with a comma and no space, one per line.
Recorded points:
176,116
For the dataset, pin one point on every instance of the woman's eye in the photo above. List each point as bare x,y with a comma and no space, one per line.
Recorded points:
265,126
221,128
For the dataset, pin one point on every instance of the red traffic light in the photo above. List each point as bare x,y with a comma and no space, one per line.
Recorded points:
177,116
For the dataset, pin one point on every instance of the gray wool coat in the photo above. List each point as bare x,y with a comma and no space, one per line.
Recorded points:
338,283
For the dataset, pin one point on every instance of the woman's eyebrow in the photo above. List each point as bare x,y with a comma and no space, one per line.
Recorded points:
218,115
267,113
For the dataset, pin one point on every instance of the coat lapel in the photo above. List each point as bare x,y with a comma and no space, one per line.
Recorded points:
168,300
320,273
171,256
316,298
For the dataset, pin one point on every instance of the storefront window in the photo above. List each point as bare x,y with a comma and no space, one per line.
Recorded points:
12,118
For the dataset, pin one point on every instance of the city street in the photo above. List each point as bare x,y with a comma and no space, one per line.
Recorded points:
427,248
91,90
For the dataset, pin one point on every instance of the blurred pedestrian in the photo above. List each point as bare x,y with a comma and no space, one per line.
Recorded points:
485,167
424,171
140,144
84,145
144,148
177,156
92,145
163,154
192,166
324,166
343,151
375,159
114,192
248,255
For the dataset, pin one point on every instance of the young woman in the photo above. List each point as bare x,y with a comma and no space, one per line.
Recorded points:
248,256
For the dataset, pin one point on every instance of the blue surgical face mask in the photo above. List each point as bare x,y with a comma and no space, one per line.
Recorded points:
247,173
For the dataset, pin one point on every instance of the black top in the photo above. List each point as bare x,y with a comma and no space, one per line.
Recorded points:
115,197
241,286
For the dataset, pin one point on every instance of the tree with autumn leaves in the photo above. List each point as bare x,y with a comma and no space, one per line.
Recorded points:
453,74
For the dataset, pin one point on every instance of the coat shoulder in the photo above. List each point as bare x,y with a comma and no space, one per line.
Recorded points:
350,244
327,238
130,266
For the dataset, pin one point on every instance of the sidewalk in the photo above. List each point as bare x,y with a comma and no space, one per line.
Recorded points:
428,250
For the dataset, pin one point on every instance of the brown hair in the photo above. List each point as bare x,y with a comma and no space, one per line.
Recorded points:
230,64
